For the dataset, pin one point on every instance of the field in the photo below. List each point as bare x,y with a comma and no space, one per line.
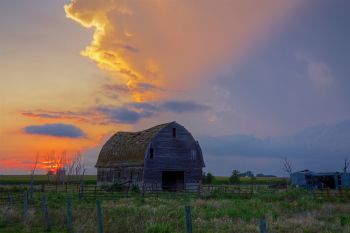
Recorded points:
221,210
91,179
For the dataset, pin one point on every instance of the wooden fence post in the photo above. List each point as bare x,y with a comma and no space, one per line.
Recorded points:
69,215
25,208
188,217
46,214
262,225
99,217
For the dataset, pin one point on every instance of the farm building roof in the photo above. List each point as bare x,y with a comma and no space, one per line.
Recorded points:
127,148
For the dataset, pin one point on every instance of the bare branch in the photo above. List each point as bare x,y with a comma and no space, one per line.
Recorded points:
346,164
287,166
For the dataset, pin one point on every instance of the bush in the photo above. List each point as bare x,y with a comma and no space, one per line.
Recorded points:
207,178
234,178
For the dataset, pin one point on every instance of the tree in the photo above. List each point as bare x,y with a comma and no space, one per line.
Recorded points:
76,168
208,178
234,178
32,173
346,164
287,166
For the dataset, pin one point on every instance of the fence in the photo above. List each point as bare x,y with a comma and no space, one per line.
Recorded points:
20,197
14,194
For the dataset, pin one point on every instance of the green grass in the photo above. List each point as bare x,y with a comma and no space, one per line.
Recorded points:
222,180
38,179
91,179
293,211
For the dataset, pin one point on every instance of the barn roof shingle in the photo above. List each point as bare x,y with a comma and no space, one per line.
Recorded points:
127,148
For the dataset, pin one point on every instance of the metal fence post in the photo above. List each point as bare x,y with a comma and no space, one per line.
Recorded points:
46,214
69,214
25,208
99,217
188,217
262,225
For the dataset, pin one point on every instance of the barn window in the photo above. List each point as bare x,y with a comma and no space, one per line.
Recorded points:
151,153
174,132
193,154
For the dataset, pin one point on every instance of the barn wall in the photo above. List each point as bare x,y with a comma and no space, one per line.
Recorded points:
117,175
173,154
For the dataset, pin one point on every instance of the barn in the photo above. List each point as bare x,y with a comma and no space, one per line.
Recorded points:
164,157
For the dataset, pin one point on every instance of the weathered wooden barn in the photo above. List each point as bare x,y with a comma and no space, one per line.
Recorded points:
313,180
164,157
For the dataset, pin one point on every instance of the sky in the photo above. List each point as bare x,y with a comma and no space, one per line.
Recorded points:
253,81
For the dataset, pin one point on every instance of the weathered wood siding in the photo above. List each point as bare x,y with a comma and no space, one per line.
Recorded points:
173,154
117,175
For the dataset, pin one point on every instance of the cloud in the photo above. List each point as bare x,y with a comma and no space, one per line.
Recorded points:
133,112
318,143
122,115
56,130
320,73
127,113
167,43
181,107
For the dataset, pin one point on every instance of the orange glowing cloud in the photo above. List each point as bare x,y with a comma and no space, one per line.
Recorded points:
170,43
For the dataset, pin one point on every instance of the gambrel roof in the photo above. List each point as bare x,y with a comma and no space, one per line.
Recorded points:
127,148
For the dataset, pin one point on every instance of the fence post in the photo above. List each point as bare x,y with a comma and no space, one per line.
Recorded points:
69,214
46,214
143,189
81,190
25,208
262,225
188,219
10,199
99,217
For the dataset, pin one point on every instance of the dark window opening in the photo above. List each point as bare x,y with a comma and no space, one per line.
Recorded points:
173,181
151,153
174,132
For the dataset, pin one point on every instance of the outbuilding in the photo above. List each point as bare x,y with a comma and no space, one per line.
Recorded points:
313,180
164,157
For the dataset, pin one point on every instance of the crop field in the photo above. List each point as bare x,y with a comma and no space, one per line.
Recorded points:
217,209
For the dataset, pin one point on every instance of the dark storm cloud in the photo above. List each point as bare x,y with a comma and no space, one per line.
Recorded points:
56,130
319,142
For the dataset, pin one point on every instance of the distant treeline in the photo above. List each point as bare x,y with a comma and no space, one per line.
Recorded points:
237,177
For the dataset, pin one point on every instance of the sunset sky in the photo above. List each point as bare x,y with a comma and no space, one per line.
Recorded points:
253,81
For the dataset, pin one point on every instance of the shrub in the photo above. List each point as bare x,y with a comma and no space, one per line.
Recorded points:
234,178
207,178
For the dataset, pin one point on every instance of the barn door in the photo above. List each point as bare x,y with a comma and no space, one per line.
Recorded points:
173,181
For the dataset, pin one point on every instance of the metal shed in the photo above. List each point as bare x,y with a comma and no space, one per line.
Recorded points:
318,180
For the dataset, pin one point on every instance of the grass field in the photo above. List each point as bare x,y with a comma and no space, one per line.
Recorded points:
38,179
91,179
247,180
293,211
